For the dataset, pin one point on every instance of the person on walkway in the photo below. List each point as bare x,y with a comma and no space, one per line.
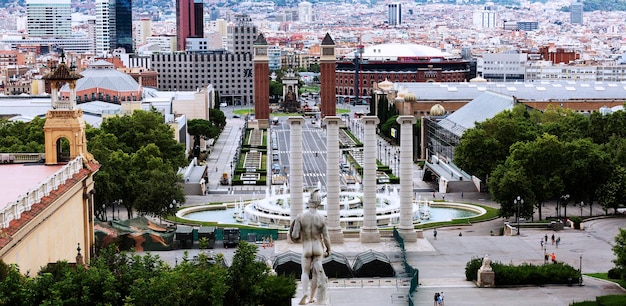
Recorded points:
436,299
435,233
546,238
553,258
541,241
558,240
441,297
461,194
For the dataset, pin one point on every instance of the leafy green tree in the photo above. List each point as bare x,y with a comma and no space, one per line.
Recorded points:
620,250
201,129
314,68
20,136
245,276
122,146
613,192
276,88
542,163
15,288
507,182
217,118
487,145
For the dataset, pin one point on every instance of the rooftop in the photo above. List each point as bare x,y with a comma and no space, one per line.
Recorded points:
18,179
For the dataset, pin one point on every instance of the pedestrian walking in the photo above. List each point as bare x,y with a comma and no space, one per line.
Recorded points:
433,195
435,233
461,194
443,196
436,298
558,240
553,239
541,241
553,258
442,300
546,238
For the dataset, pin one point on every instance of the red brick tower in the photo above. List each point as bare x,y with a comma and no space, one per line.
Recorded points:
327,77
261,82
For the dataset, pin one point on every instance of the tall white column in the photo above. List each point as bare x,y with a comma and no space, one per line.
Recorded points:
332,179
369,230
406,230
295,166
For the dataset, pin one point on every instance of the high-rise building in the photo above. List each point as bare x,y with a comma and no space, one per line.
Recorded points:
124,25
114,26
576,12
189,21
305,12
486,17
49,18
395,14
241,35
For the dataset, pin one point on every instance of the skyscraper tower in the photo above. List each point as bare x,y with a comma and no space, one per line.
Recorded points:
395,14
49,18
189,21
114,26
576,12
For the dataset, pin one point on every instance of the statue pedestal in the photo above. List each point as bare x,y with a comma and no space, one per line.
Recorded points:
486,279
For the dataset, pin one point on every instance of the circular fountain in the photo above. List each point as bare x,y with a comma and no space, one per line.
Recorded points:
273,209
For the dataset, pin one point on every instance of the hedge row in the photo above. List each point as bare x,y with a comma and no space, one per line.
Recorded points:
524,274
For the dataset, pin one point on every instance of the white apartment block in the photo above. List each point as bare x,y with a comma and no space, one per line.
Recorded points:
305,12
485,18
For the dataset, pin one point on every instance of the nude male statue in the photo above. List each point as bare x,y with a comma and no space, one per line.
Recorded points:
310,227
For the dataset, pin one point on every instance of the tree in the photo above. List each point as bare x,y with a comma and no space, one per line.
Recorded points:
139,159
542,161
620,250
276,88
507,182
201,129
613,192
217,118
487,145
244,276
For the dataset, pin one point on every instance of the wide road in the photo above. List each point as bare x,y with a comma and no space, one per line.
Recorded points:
313,150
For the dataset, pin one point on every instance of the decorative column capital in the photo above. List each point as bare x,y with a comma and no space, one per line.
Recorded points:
370,120
406,119
330,120
295,120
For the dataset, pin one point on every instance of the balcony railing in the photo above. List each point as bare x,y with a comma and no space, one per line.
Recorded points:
13,210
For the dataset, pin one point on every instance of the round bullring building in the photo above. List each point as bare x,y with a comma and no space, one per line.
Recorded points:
396,62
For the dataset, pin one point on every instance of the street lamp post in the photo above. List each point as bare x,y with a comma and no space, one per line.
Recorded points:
580,270
582,203
518,202
174,206
561,203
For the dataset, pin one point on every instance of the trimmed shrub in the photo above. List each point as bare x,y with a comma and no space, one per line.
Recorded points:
524,274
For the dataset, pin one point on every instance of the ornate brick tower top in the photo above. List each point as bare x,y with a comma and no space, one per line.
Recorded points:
327,77
65,128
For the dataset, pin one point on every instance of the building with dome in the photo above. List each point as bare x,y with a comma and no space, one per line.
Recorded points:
102,82
397,63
